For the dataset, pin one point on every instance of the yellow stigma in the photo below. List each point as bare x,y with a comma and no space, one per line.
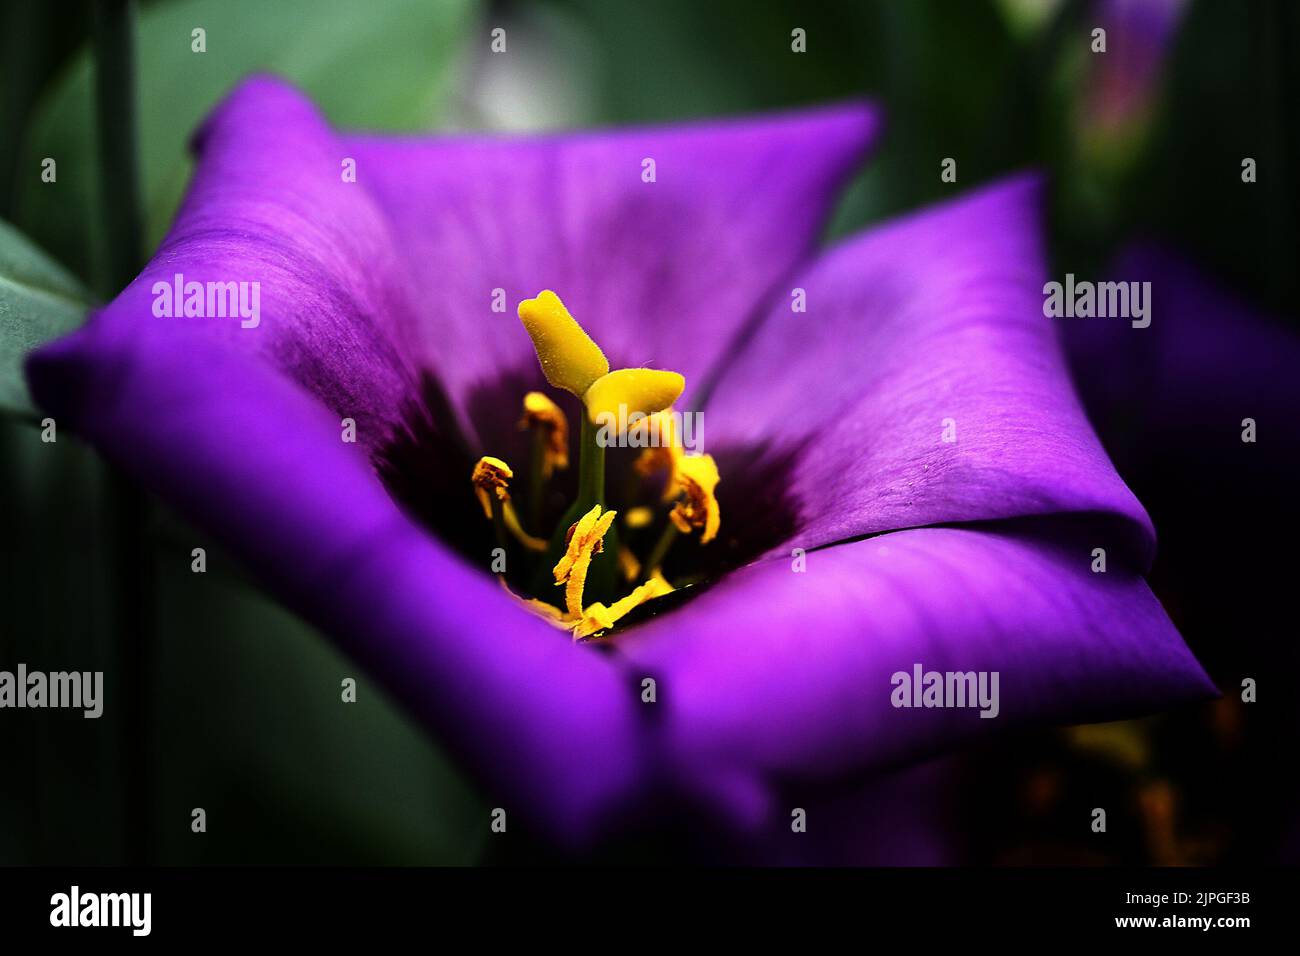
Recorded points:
570,359
697,479
619,394
543,414
584,541
491,478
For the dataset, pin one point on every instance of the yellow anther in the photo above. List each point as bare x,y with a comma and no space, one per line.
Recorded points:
638,517
613,398
628,564
664,455
697,479
598,617
584,541
491,477
543,414
570,359
656,586
595,619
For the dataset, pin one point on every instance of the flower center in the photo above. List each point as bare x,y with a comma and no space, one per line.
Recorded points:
582,555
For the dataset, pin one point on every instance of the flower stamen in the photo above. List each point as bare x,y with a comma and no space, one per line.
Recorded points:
624,399
697,479
584,540
548,422
662,457
491,478
598,617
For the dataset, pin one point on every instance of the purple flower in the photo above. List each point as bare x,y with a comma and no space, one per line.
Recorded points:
1202,414
1125,81
913,435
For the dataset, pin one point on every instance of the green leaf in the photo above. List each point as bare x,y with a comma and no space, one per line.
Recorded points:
677,59
383,64
946,72
253,727
39,301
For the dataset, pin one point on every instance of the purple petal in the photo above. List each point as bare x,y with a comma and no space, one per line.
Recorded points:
931,321
368,285
254,459
662,273
767,678
1207,360
267,205
232,427
1170,402
1124,80
775,675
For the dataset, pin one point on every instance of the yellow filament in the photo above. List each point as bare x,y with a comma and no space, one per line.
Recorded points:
664,456
491,476
542,413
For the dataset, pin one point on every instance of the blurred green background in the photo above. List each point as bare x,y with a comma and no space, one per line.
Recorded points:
242,713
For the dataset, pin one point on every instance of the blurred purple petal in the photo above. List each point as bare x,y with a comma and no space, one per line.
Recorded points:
1125,80
1170,401
1207,361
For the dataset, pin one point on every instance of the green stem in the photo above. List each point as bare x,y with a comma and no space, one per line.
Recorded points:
131,573
119,166
603,577
591,468
661,548
498,521
536,483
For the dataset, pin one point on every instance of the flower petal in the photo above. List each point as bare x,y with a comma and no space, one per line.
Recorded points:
661,273
551,729
769,674
923,385
774,677
369,285
1171,402
268,204
1207,357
